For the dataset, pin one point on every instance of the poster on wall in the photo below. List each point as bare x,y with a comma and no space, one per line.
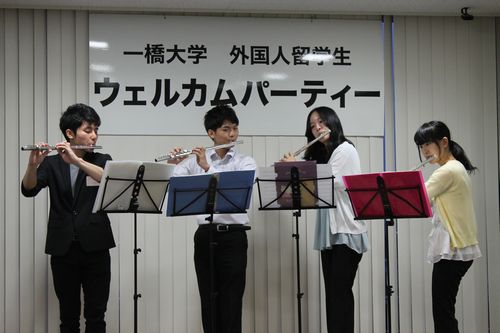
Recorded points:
158,75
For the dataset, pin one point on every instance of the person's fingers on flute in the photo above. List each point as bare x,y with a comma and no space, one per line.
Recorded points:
174,158
38,155
288,157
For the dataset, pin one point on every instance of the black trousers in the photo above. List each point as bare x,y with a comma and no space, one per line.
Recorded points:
230,262
80,270
340,264
446,277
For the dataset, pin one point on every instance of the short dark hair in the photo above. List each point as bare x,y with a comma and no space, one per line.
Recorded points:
75,115
216,116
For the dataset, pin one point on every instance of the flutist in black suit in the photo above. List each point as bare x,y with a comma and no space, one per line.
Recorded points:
77,240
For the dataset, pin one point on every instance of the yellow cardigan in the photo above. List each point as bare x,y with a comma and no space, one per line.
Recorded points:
450,189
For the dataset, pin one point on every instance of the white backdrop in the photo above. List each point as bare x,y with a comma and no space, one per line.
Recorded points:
162,73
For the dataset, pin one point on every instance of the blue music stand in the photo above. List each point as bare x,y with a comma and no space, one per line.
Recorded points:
219,193
230,192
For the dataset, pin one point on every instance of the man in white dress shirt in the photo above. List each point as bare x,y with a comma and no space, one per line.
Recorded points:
228,230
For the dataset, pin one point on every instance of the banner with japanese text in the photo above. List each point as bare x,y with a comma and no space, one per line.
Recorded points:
158,75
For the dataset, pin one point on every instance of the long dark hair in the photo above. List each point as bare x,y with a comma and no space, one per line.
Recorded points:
318,151
434,131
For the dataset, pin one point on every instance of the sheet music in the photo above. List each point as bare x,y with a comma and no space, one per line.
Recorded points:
191,193
268,193
115,189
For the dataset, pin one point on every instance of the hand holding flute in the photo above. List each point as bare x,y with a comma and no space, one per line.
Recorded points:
38,155
44,146
288,157
42,149
39,151
179,154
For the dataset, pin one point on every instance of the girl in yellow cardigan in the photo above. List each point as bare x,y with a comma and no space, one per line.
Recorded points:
453,241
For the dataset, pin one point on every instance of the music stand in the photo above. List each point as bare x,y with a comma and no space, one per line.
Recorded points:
133,187
388,196
220,193
294,190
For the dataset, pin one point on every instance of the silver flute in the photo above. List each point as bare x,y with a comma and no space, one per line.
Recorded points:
424,163
187,152
37,147
310,143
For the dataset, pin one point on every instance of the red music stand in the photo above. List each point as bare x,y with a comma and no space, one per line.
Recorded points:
387,196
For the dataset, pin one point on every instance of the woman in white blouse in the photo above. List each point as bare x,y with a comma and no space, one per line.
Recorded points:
341,240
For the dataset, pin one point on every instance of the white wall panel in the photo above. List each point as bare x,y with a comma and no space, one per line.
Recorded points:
26,249
39,220
443,69
55,104
11,130
491,166
3,105
67,38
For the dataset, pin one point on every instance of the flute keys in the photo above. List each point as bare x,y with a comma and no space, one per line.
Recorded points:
181,153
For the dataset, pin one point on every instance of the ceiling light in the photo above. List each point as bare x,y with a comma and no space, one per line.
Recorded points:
316,57
94,44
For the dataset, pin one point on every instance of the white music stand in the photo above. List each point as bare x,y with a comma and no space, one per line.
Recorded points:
133,187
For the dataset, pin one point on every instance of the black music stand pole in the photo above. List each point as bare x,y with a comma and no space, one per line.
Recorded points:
136,295
388,196
388,217
225,192
114,192
299,187
134,205
388,221
296,202
210,206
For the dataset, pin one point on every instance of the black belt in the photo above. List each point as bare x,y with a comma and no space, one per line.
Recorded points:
220,227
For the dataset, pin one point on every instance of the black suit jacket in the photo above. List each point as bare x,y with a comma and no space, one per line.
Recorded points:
71,217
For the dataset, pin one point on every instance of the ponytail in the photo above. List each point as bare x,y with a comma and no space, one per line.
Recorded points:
435,130
459,154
